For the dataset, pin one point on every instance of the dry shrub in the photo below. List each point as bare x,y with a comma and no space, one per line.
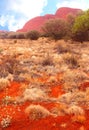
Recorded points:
65,98
47,61
72,79
20,35
87,97
3,71
11,64
55,28
61,47
79,97
76,97
71,60
6,121
16,35
4,82
33,94
33,35
35,112
75,110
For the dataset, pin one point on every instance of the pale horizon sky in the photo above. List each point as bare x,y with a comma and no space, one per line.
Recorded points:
15,13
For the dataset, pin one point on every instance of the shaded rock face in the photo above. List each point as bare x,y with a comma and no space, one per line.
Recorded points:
37,22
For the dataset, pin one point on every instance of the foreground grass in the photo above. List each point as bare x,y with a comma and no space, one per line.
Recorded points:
44,81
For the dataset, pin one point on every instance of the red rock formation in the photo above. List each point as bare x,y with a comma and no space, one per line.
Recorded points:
37,22
64,11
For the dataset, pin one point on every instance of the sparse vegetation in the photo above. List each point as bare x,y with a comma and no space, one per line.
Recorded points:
55,28
33,35
44,82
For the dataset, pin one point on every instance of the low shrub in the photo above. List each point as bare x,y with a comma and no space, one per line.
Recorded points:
33,35
11,36
76,110
35,112
20,36
61,48
71,60
55,28
4,82
47,62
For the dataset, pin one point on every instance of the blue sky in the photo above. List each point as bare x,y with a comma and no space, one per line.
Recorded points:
15,13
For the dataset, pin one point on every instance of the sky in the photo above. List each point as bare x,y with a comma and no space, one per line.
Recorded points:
15,13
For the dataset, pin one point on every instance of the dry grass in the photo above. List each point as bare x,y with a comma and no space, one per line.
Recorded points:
31,60
76,110
61,48
4,82
72,79
33,94
35,112
71,60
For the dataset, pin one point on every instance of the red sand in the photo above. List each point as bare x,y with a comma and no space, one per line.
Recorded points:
21,122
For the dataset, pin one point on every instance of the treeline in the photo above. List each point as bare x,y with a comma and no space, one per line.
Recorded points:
75,28
33,35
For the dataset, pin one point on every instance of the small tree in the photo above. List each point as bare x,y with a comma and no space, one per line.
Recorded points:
55,28
33,35
80,28
70,21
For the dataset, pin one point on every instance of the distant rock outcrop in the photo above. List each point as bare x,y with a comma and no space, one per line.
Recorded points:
37,22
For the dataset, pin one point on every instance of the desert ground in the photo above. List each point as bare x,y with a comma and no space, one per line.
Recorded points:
44,84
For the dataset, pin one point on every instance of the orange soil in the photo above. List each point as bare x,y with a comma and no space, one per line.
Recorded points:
20,121
56,91
84,86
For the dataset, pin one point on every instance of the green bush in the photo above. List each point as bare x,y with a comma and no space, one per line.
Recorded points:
80,28
33,35
55,28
